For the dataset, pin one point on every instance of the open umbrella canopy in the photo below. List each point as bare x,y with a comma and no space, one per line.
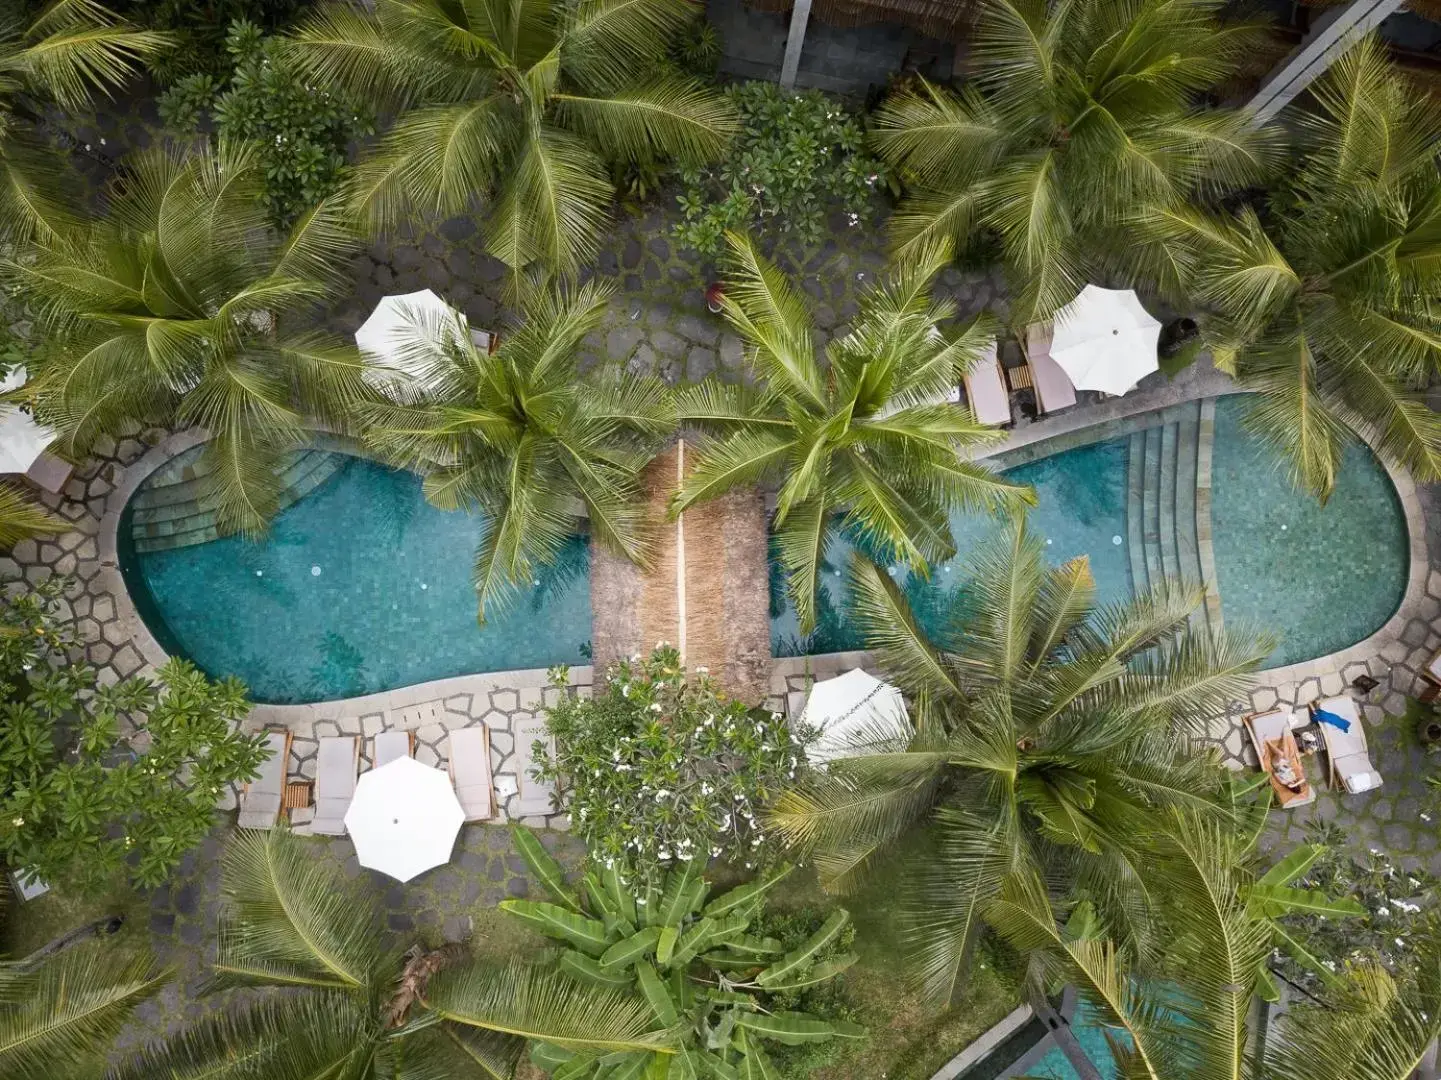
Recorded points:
1105,340
853,713
393,323
404,818
22,440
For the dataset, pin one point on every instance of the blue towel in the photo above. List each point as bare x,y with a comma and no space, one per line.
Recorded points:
1340,723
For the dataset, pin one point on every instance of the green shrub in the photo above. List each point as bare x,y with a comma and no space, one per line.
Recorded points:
659,768
200,29
708,970
302,130
798,157
96,780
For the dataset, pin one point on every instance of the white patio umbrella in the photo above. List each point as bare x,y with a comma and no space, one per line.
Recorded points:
404,818
391,323
1105,340
22,440
853,707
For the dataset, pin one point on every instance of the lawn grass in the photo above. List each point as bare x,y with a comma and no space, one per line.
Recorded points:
909,1039
31,925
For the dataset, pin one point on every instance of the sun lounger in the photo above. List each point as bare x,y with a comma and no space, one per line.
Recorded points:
392,745
535,795
1052,385
470,772
1432,671
986,389
335,768
1351,766
260,801
1280,757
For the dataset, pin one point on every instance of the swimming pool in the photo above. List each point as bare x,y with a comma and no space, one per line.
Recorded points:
1322,577
360,586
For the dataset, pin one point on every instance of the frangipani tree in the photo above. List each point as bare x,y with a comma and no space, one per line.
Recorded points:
1323,298
175,309
522,105
72,49
360,1005
863,436
518,435
1075,115
1047,734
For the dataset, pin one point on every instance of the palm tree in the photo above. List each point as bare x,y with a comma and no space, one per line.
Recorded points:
867,437
1077,114
520,436
1322,299
521,104
72,48
1181,1013
1045,738
59,1016
22,519
172,311
359,1006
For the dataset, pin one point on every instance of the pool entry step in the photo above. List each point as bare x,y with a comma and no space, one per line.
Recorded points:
1165,520
169,511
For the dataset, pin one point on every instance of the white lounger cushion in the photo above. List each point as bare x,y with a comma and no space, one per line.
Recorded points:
986,389
470,772
535,795
260,803
1350,760
391,746
1052,385
335,767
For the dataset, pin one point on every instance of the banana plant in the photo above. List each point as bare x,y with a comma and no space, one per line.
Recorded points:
1272,895
696,961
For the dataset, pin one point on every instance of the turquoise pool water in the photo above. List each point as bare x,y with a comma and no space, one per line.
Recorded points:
1322,577
1326,576
361,586
1092,1037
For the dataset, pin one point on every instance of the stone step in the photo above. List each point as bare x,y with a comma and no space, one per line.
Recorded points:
1135,526
1188,551
1166,504
182,523
1151,505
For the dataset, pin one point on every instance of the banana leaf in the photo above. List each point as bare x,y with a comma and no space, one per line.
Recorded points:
552,920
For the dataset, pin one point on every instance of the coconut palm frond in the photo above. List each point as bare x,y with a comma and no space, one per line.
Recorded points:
78,46
885,620
292,921
21,518
541,1004
516,107
313,1035
65,1015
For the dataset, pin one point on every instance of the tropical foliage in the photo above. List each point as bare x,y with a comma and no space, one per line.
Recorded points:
1076,116
60,1016
1181,1012
362,1006
864,438
701,971
1322,299
1045,738
101,781
526,105
173,311
662,768
199,30
797,159
73,48
518,435
301,134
